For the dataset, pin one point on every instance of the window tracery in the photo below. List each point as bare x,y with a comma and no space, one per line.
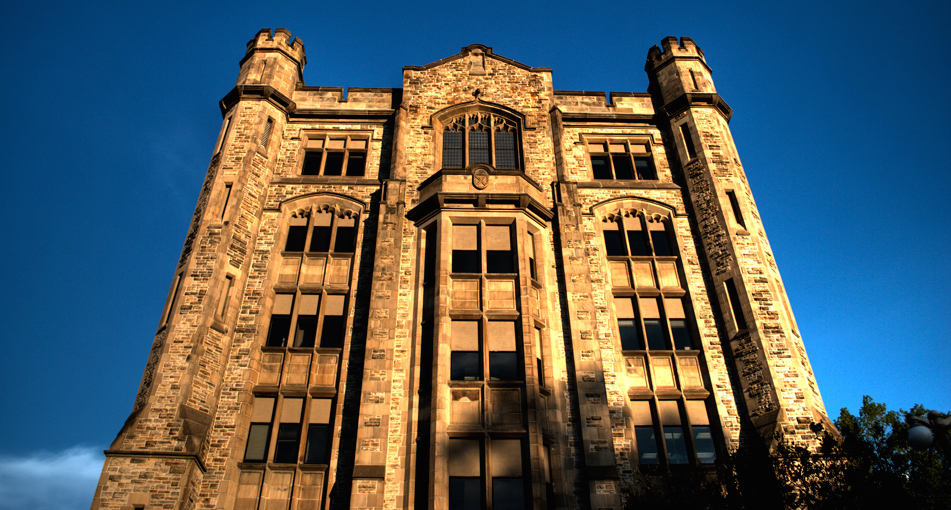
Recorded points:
480,137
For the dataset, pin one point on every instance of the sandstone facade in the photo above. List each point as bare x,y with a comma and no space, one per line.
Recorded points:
475,291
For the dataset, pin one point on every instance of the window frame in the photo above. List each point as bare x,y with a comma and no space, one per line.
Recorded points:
302,424
324,143
661,422
320,325
615,150
489,467
496,122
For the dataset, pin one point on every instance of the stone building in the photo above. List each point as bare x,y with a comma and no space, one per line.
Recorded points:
474,291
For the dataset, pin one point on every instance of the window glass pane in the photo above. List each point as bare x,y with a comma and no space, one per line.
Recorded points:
530,248
278,332
334,163
465,493
306,331
738,316
630,339
258,436
331,335
318,444
638,244
703,440
613,243
661,243
508,494
296,236
676,446
356,164
654,330
623,169
320,239
645,168
503,366
646,445
600,167
465,458
466,261
505,149
682,340
452,149
499,261
479,147
464,366
312,161
288,439
346,239
688,141
464,336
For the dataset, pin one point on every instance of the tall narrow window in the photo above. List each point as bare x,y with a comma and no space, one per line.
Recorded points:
307,318
287,446
259,435
225,297
739,318
735,205
224,135
280,327
532,265
466,257
333,330
508,487
499,256
318,432
679,332
172,300
653,325
503,355
539,355
674,440
627,325
644,434
688,141
465,362
465,474
227,198
702,434
735,305
266,136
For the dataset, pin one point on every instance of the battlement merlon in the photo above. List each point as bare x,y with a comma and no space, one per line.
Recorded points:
686,48
281,42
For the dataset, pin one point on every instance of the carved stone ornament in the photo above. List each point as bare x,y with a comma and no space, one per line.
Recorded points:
480,178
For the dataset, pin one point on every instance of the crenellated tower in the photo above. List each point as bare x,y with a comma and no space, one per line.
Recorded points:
168,434
776,380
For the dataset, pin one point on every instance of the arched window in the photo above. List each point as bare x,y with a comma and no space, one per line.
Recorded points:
480,137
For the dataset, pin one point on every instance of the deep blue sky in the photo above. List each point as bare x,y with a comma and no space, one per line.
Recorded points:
841,120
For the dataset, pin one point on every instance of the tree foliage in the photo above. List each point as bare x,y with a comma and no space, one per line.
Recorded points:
870,466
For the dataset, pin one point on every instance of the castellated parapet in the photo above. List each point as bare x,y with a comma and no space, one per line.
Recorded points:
471,288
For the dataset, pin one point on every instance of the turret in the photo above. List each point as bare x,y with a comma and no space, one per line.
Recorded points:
273,60
755,320
678,69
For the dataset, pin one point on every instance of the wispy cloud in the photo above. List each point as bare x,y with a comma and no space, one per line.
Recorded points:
63,480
